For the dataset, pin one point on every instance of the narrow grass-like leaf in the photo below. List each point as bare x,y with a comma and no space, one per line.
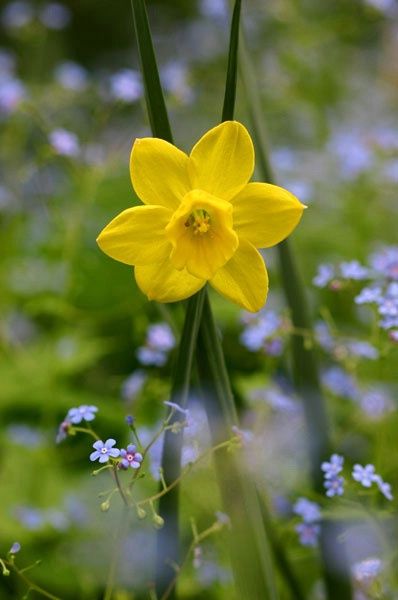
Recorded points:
232,69
305,366
156,106
305,369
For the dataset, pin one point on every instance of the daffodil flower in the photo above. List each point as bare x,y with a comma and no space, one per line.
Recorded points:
201,220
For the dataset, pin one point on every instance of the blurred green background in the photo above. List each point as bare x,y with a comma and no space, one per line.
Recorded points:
71,319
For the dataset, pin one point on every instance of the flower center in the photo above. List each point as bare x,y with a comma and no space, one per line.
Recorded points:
130,457
199,220
104,450
201,233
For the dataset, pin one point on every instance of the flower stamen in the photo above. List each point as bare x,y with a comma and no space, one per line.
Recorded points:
199,220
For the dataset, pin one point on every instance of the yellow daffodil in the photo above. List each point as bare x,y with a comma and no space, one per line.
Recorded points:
201,221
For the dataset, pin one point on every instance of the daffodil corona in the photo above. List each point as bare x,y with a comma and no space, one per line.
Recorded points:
201,221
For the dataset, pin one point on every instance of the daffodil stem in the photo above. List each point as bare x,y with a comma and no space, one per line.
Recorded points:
305,366
168,544
240,499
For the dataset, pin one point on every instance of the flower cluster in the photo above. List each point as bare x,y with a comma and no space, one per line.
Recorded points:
342,349
330,276
74,417
367,475
263,331
386,301
333,483
103,451
20,14
277,397
381,290
159,341
365,572
310,528
375,400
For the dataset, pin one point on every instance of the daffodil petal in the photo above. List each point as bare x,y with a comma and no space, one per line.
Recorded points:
137,236
244,278
162,282
222,161
265,214
159,172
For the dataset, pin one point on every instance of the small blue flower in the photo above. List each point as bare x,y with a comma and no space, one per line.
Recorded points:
132,386
83,412
64,143
340,383
308,533
323,336
389,322
259,330
362,350
71,76
15,548
130,458
367,570
367,476
394,335
151,357
309,511
245,436
369,295
364,475
160,337
384,487
376,402
63,431
273,347
176,408
126,85
334,467
389,307
103,451
32,518
334,486
385,262
277,398
353,270
324,276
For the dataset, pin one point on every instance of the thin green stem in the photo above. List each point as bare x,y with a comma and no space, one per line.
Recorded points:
115,555
165,490
119,486
30,584
88,431
197,539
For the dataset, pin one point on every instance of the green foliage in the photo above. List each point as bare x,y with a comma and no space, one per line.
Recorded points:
71,320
